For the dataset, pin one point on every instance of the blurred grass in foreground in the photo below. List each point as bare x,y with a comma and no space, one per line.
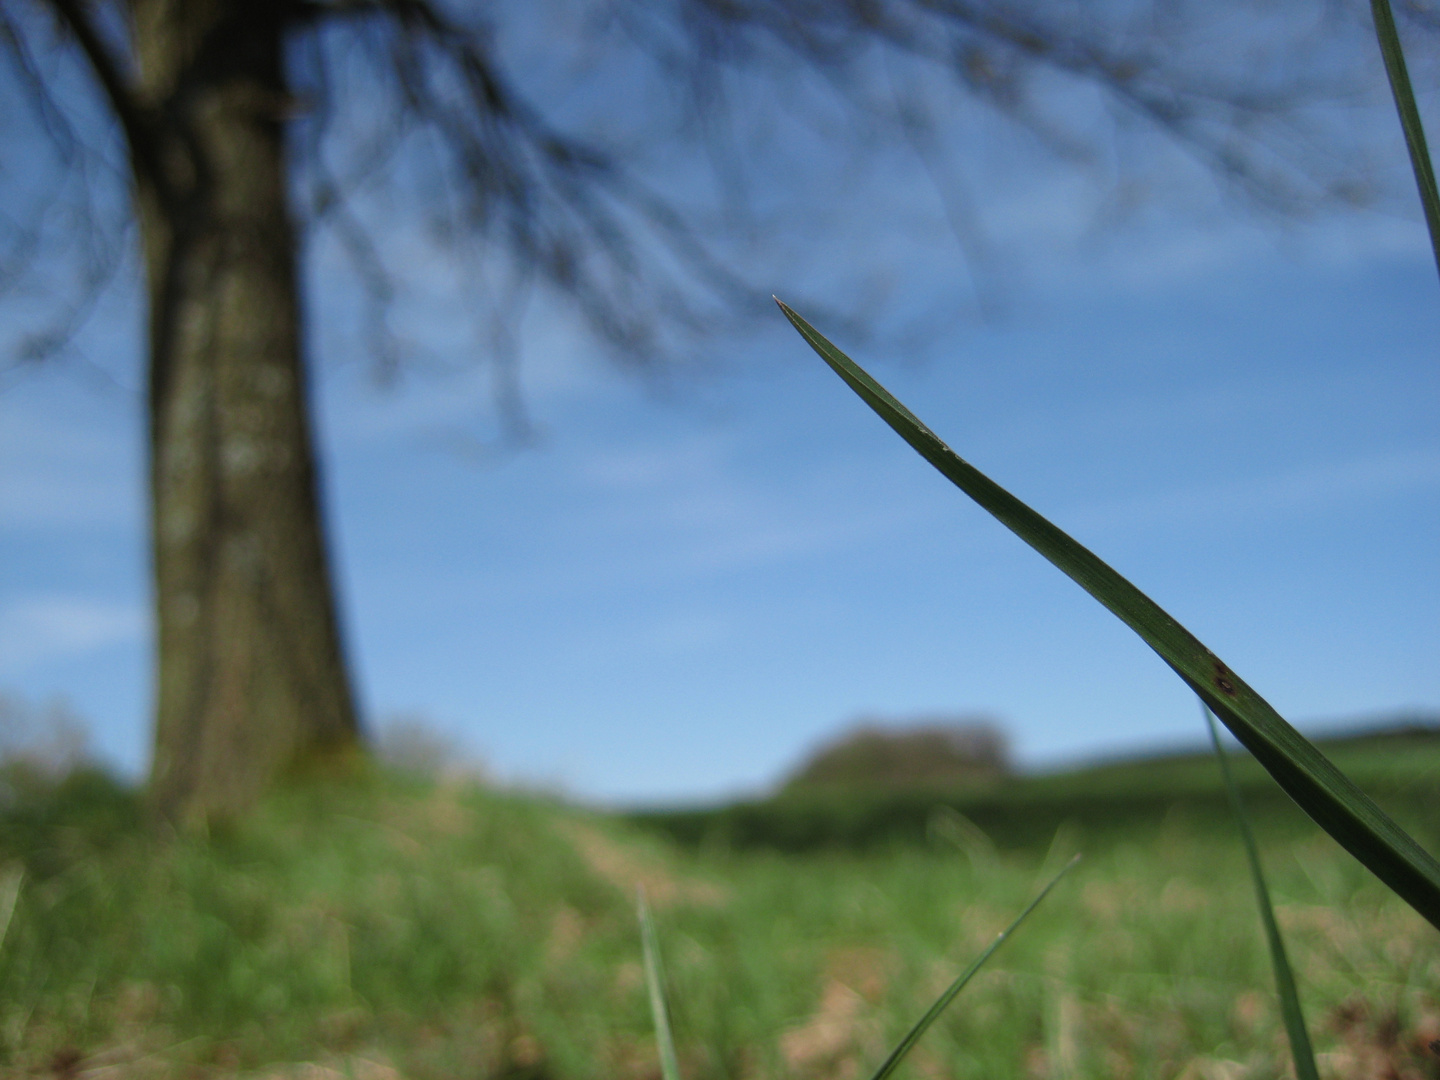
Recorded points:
380,929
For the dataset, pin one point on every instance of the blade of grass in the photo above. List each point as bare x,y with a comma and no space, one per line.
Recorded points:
1404,94
1316,785
1300,1049
9,895
655,982
907,1044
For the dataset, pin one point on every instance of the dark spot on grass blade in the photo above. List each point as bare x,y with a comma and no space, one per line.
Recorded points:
1223,682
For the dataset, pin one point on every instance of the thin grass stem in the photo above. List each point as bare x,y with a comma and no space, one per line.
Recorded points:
655,983
1404,93
9,896
1301,1050
907,1044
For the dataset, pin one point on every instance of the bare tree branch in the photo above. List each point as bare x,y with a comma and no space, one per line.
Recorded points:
635,264
131,114
52,118
992,50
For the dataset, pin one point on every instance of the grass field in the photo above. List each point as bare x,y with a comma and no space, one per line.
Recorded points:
385,928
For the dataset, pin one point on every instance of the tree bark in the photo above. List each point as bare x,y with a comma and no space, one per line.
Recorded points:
251,678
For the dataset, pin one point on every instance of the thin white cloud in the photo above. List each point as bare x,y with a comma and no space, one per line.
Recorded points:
1300,491
55,473
39,629
57,498
648,467
701,494
684,634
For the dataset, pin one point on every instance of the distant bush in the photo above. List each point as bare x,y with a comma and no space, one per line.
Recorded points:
929,754
1397,759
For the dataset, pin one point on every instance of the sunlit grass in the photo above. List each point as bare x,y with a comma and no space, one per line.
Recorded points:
444,931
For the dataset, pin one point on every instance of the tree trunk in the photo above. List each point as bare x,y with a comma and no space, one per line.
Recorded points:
251,677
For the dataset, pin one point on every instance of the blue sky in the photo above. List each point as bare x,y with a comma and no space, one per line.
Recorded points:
682,588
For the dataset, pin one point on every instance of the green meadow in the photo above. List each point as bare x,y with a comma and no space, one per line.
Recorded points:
387,927
383,927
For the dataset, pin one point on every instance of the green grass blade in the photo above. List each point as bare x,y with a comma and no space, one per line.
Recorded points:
1400,87
1316,785
943,1001
655,982
9,895
1300,1049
